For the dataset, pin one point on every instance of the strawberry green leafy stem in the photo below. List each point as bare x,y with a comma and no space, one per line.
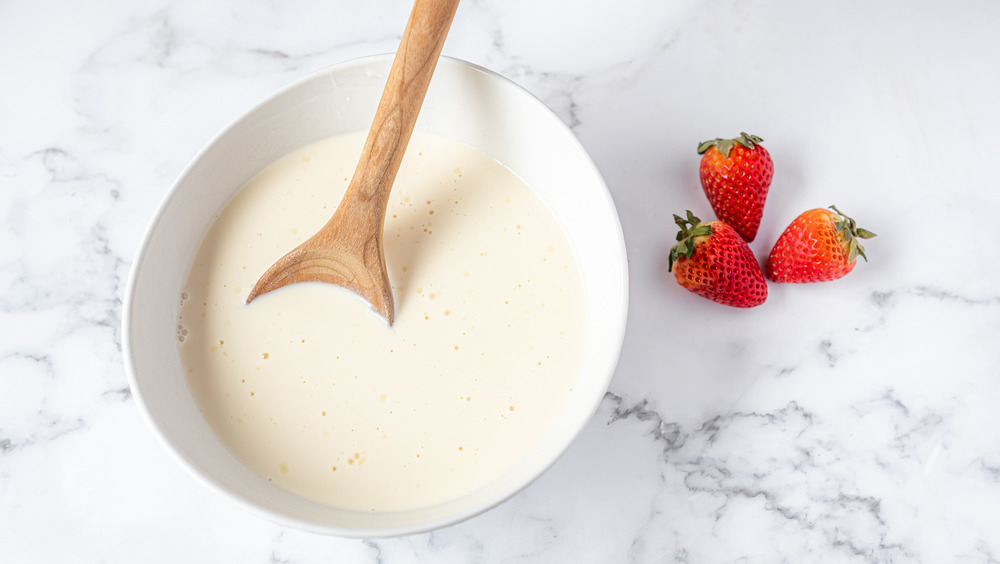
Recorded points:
726,145
850,231
690,227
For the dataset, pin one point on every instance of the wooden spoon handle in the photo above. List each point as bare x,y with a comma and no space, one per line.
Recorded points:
348,251
411,73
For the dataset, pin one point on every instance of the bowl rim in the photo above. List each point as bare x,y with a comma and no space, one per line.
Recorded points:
615,332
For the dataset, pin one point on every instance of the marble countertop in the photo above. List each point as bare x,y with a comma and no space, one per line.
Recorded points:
852,421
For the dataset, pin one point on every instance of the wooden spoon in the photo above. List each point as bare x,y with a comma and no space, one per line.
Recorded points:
347,251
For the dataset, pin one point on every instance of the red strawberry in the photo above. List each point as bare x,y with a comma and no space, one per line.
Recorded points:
713,261
819,245
736,174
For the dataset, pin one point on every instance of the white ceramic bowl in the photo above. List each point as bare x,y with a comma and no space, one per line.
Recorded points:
465,103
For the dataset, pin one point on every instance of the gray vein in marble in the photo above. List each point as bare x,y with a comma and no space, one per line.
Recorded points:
886,300
826,348
440,540
991,471
273,558
556,90
121,394
56,427
376,550
953,297
668,435
94,265
559,89
66,274
802,480
984,550
162,42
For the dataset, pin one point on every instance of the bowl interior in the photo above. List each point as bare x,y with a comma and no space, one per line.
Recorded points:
465,103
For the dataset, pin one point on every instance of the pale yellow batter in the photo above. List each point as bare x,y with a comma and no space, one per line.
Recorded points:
313,391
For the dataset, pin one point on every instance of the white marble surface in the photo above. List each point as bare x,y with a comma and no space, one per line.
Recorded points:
854,421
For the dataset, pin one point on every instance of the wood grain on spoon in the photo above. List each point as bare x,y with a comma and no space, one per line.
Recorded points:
347,251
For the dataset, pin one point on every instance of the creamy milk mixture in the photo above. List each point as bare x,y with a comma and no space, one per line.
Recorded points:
315,392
